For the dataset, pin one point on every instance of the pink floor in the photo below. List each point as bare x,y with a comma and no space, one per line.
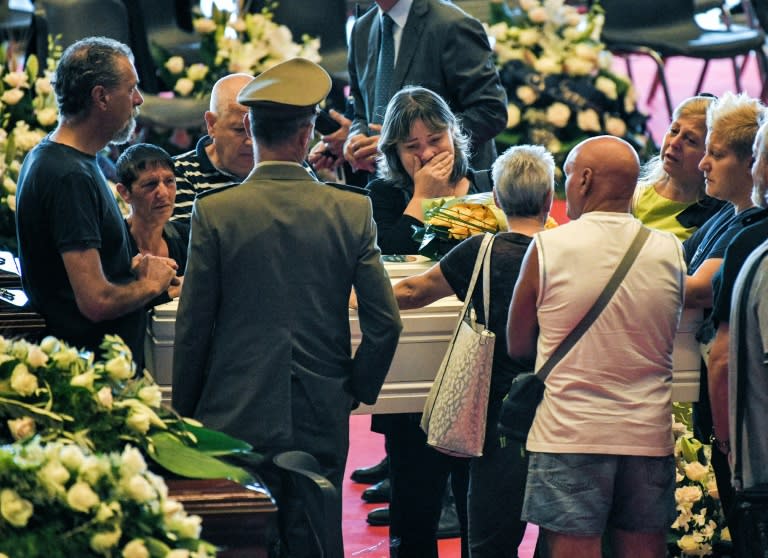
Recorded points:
360,539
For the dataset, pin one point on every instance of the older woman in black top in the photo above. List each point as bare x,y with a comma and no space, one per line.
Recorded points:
524,187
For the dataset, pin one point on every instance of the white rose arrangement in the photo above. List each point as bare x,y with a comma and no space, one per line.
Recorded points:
249,43
700,525
54,391
558,80
58,500
28,111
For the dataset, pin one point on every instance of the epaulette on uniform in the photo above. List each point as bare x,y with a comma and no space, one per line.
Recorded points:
217,189
348,188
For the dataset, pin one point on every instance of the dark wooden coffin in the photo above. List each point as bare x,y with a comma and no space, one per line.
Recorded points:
240,520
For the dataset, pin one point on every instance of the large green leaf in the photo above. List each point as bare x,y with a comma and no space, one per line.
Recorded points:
214,442
690,448
177,457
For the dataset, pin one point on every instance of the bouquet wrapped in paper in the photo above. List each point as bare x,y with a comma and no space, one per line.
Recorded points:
448,221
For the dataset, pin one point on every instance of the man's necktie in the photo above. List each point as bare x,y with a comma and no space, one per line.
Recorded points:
384,70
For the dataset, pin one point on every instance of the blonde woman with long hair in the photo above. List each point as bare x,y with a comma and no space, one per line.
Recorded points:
670,194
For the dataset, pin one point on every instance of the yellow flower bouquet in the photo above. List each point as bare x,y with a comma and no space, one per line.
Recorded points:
449,220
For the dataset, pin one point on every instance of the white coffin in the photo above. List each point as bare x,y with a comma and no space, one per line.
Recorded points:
423,342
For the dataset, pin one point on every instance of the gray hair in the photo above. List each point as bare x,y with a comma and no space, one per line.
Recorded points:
84,65
523,177
406,107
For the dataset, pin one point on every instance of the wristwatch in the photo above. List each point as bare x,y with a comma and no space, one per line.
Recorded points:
723,445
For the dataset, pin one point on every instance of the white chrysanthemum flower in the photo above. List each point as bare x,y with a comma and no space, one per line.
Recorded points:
197,72
104,541
15,509
12,96
607,87
132,462
688,494
22,382
548,65
136,549
22,428
528,37
50,344
18,80
81,497
588,120
93,468
188,526
558,114
204,25
119,368
47,116
36,357
53,475
138,488
526,94
696,471
43,86
71,456
104,398
84,380
184,86
175,64
615,126
151,395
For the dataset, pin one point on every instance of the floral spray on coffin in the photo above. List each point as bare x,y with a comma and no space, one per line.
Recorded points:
54,391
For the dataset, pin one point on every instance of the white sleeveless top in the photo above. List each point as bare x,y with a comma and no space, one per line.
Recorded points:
612,392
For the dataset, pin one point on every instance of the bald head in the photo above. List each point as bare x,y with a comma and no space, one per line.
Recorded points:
229,150
224,92
601,175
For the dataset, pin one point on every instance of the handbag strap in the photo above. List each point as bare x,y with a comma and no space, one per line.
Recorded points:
741,369
487,282
483,254
613,283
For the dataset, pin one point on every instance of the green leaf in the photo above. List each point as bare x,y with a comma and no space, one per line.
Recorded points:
509,138
175,456
214,442
33,67
690,448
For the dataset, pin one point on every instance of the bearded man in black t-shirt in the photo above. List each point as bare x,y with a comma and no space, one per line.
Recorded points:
76,266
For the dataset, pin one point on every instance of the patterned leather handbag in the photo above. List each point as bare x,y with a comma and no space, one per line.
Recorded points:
456,408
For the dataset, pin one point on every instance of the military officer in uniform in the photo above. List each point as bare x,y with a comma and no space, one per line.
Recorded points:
262,347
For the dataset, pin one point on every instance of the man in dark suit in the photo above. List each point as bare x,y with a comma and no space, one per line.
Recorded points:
437,46
262,346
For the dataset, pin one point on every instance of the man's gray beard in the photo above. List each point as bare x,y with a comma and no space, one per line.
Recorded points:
125,133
